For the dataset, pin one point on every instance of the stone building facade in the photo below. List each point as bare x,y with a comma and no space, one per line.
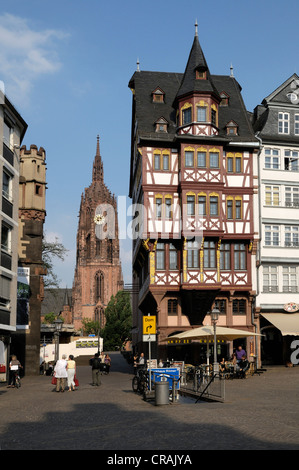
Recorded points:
98,273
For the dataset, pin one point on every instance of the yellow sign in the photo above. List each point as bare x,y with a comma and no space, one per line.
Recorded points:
149,325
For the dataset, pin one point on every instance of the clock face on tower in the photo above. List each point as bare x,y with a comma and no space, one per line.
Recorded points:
99,219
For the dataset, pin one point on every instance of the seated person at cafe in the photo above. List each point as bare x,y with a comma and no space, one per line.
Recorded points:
243,367
222,365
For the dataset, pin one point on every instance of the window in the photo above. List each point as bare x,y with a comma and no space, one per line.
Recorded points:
173,257
202,204
168,208
230,208
221,305
296,124
172,307
160,256
6,185
209,254
201,75
283,123
234,207
190,204
158,95
187,115
165,161
239,307
270,279
272,159
157,161
240,257
291,158
99,286
201,159
189,158
272,195
213,205
158,204
192,254
291,236
201,114
225,254
290,282
272,235
224,99
6,237
7,135
213,117
234,163
292,196
214,160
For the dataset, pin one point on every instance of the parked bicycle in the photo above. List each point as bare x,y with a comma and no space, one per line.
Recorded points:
140,381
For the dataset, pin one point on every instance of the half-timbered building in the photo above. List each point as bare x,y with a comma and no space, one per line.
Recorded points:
193,180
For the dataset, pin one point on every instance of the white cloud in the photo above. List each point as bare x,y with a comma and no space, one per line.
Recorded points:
26,54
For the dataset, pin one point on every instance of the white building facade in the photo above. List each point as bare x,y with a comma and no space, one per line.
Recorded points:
276,122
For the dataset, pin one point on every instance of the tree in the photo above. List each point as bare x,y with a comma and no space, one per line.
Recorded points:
118,321
52,250
91,327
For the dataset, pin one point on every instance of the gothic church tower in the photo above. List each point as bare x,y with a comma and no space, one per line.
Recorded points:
98,273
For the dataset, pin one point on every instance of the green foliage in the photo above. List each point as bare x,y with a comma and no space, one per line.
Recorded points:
91,327
118,321
50,317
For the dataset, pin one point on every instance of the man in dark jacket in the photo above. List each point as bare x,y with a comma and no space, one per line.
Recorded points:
95,363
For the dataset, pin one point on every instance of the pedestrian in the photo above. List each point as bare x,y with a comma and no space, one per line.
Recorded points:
240,353
14,366
95,363
60,372
107,363
71,372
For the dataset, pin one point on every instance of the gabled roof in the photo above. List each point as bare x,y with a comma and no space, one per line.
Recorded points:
280,93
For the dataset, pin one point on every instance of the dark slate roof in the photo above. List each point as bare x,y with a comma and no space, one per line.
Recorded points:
189,83
147,113
55,300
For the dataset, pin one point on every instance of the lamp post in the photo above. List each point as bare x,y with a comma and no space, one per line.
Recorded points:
58,327
214,317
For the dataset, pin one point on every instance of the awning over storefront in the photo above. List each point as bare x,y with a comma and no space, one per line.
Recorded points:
287,323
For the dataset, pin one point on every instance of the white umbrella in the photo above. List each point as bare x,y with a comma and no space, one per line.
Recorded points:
207,332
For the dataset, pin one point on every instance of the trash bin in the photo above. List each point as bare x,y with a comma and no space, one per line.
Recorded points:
162,393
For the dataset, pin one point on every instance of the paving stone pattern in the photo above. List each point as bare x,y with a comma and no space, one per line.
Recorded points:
259,413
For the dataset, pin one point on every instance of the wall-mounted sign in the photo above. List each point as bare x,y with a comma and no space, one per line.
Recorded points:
291,307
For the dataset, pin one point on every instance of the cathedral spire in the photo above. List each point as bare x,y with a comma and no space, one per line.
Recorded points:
98,172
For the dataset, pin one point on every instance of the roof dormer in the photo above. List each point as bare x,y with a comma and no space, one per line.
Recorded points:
158,95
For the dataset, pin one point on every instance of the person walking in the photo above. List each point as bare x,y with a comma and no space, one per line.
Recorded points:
60,372
71,372
95,363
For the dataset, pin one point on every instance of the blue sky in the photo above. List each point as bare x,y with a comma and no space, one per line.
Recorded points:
66,66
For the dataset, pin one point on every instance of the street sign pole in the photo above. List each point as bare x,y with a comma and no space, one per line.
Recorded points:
150,365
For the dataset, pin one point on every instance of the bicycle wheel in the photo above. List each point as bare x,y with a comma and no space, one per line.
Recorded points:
18,382
135,384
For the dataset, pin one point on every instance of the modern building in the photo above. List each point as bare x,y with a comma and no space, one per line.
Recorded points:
193,178
32,214
12,131
98,273
276,122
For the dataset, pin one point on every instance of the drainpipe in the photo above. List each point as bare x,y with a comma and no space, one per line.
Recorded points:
259,247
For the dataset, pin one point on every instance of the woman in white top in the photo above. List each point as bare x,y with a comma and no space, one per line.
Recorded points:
71,371
60,373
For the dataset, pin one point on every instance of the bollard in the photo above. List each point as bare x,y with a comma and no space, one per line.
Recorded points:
162,393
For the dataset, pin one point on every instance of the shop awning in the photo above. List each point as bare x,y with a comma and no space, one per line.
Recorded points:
287,323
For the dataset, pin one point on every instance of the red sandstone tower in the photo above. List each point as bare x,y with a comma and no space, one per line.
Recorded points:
98,273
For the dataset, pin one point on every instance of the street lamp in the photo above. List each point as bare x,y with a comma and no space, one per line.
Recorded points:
214,317
58,327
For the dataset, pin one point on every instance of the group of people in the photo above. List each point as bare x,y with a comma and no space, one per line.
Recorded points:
239,362
65,370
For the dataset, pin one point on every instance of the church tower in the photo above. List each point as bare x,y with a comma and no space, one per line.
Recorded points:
98,273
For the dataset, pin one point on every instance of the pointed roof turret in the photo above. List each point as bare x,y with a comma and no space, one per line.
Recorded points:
98,171
197,77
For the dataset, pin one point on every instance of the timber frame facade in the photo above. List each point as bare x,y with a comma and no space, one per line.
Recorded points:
193,178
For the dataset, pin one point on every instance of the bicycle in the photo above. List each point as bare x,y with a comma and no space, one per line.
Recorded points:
140,381
17,379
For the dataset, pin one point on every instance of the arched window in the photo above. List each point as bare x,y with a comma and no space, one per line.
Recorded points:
99,290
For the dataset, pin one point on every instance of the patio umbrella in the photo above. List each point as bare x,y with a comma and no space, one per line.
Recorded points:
207,333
